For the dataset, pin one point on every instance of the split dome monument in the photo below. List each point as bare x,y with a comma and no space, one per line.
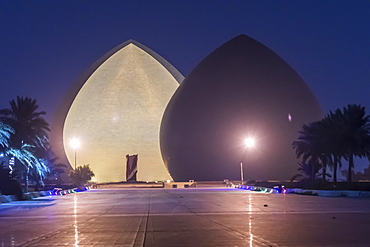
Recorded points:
116,110
240,90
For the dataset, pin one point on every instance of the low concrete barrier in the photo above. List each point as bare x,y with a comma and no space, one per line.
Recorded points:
36,194
45,193
7,198
324,193
27,196
344,193
364,194
31,195
330,193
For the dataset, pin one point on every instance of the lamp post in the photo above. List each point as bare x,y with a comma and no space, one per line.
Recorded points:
75,143
249,143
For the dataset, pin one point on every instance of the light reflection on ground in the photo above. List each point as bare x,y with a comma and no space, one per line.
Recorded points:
75,218
250,220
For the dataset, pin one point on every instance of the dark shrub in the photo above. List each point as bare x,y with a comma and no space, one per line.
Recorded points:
9,185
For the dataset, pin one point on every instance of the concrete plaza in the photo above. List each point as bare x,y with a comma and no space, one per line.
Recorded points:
185,217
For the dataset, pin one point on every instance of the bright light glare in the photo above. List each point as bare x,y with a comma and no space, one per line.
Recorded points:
250,142
75,143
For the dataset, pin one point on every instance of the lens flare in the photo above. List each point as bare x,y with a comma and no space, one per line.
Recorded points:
250,142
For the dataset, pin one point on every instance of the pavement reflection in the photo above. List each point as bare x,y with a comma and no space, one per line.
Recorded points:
75,198
186,217
250,220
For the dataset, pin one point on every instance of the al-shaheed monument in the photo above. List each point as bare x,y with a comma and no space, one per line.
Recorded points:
132,101
118,111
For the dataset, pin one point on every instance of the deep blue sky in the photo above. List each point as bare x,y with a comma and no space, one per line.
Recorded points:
46,45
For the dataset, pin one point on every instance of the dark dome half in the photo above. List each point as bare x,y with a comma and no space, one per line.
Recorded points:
241,90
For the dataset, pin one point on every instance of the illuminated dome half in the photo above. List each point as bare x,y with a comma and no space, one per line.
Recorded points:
241,90
118,111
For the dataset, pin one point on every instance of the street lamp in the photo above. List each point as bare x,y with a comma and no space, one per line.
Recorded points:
249,143
75,143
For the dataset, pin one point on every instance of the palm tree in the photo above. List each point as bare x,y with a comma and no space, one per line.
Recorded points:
335,142
324,141
342,134
5,133
48,161
28,124
306,169
354,129
56,169
309,146
25,155
30,134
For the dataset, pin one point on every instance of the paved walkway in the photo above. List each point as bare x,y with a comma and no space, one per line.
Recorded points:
185,217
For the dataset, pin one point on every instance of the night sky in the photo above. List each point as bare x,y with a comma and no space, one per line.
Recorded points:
46,45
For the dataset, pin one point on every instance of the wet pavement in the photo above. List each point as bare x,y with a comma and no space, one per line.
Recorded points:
185,217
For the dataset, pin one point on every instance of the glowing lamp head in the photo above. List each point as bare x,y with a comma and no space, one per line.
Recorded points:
250,142
75,143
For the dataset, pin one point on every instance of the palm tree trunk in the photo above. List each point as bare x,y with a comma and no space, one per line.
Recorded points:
324,174
324,170
26,180
335,168
312,173
350,165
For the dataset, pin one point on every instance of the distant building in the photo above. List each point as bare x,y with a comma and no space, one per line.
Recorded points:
116,109
241,90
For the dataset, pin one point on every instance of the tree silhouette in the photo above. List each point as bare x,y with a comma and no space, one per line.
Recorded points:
341,134
354,130
81,175
30,135
309,147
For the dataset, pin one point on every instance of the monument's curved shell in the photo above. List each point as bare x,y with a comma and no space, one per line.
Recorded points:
118,110
242,89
